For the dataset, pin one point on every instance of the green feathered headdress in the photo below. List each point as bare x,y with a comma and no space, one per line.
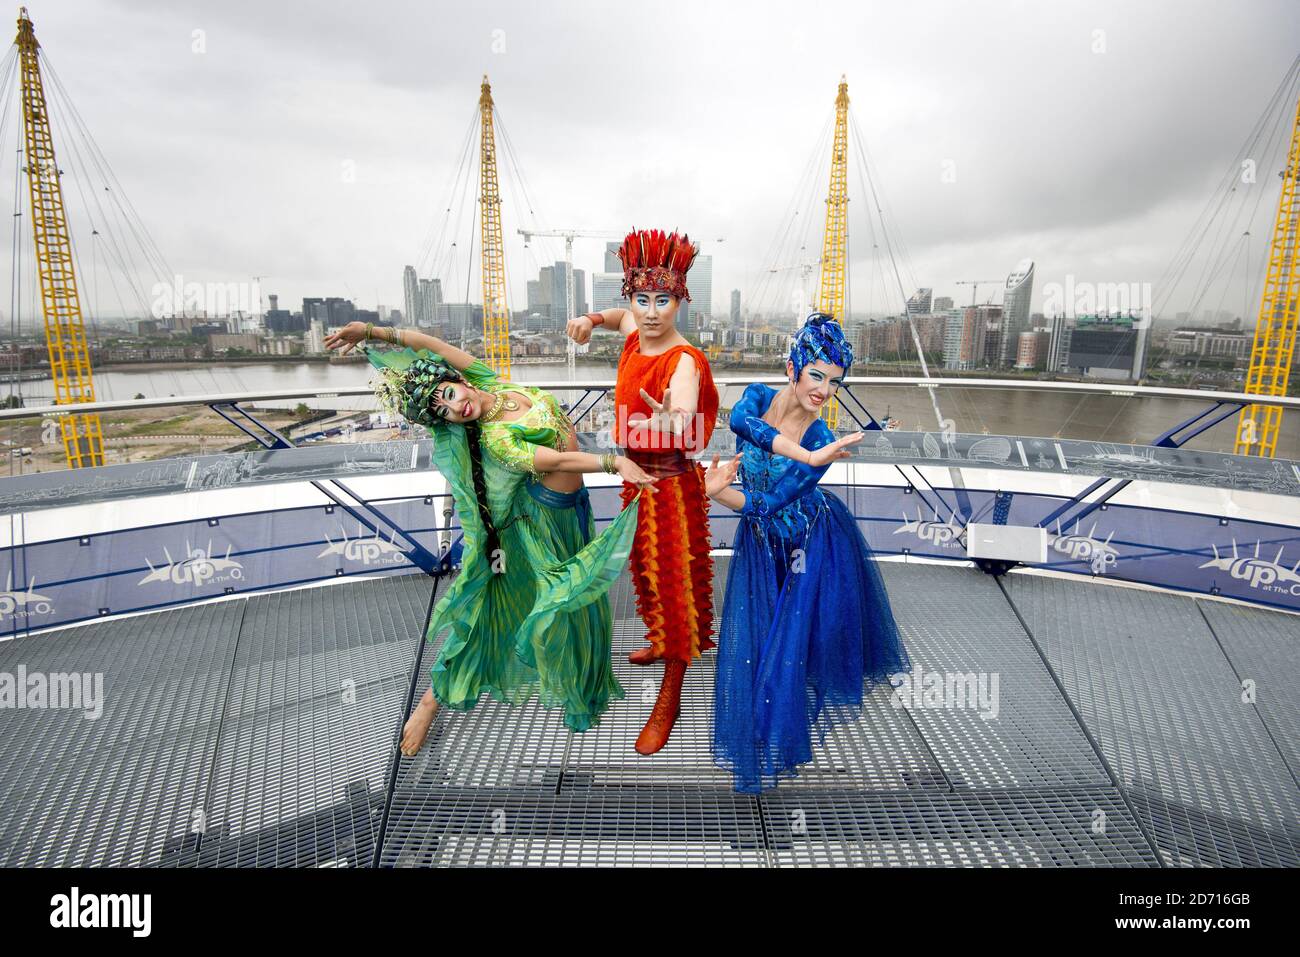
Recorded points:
406,381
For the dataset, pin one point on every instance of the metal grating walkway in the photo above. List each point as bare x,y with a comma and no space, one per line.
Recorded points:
262,732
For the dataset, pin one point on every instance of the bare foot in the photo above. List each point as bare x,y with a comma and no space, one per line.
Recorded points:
417,726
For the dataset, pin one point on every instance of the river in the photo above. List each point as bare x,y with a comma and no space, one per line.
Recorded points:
1013,412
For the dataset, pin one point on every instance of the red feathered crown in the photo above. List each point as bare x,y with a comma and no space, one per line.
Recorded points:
656,262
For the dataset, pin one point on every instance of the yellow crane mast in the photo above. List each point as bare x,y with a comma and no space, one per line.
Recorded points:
65,333
835,241
1275,331
496,315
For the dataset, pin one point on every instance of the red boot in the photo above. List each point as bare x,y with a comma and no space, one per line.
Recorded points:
648,655
664,714
644,656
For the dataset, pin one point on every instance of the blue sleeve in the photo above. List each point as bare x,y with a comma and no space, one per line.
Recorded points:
796,481
746,419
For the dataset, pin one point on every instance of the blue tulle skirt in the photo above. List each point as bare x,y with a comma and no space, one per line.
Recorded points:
806,632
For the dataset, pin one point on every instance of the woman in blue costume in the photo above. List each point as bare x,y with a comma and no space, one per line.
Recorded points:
807,628
529,610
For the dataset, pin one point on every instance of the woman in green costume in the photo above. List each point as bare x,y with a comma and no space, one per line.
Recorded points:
528,611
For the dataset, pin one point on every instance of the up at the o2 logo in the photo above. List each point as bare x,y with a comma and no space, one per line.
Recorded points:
368,551
22,604
1256,572
941,534
1100,556
198,569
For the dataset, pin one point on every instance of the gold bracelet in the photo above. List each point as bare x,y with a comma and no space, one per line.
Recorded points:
369,326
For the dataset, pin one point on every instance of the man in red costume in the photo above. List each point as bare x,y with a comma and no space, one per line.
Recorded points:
666,408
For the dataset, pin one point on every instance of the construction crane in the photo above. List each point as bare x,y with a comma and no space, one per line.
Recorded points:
803,306
975,285
835,240
496,314
1275,330
65,332
568,235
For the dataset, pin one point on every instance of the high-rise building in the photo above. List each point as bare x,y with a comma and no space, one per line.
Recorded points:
430,299
1015,309
612,262
457,319
1031,352
315,337
991,329
580,295
546,294
411,291
941,305
700,283
919,303
561,308
332,312
1106,347
281,321
966,336
1059,343
735,306
607,291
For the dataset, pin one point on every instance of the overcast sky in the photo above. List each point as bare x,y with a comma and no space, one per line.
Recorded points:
315,143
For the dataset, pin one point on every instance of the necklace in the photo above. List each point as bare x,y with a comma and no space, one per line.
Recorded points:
502,404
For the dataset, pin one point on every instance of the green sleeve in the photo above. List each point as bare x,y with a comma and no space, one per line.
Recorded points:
515,445
480,375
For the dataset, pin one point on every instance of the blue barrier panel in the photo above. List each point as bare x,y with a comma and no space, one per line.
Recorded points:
83,577
73,579
1249,560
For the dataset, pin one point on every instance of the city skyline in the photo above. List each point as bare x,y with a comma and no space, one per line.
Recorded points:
1102,183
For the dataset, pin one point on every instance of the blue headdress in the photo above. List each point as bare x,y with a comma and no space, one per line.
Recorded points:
820,338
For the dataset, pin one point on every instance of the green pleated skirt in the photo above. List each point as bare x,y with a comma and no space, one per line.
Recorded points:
536,618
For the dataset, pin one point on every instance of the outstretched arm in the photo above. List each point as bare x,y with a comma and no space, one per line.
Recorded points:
346,338
717,483
747,422
546,459
796,481
458,359
673,413
614,319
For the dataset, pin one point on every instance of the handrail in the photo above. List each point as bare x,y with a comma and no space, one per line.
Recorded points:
1083,388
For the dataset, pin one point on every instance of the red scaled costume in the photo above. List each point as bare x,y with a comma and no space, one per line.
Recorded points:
671,567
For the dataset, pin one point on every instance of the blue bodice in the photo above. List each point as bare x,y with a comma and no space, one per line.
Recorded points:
781,495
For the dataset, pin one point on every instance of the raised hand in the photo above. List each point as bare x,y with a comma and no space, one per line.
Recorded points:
633,473
719,477
835,450
579,329
346,337
664,417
